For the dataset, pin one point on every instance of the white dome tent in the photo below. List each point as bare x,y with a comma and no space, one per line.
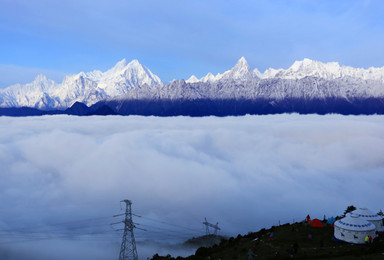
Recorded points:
371,217
353,229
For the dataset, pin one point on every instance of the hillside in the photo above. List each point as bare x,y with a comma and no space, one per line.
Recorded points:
282,245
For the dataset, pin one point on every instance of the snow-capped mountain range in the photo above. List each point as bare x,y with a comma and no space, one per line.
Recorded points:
299,70
87,88
304,79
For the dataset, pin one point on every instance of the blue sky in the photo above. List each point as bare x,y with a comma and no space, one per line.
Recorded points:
178,38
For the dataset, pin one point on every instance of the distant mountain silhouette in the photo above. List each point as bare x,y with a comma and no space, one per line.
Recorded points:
103,110
78,109
209,107
26,111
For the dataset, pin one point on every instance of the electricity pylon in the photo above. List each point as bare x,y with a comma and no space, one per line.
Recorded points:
207,225
128,245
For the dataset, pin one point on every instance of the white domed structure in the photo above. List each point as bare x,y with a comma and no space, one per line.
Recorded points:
353,229
371,217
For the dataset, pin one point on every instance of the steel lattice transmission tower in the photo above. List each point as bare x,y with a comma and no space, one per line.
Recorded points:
208,225
128,245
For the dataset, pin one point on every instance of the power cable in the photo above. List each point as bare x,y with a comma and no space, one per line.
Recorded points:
164,222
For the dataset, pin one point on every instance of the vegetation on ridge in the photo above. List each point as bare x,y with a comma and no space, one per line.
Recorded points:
298,240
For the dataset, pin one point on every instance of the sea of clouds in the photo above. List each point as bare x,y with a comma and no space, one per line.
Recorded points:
63,177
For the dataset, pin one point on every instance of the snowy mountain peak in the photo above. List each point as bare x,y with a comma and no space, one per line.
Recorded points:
124,65
192,79
124,76
41,82
241,71
132,71
241,63
308,68
258,73
208,78
121,64
40,79
308,64
134,63
94,75
271,73
299,64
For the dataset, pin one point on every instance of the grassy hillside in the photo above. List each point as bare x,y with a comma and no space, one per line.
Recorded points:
299,241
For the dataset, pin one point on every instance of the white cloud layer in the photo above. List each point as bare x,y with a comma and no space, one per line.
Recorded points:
244,172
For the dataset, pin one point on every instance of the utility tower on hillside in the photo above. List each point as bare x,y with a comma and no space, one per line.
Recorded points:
128,245
208,225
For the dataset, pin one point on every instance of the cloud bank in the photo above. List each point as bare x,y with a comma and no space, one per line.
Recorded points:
62,177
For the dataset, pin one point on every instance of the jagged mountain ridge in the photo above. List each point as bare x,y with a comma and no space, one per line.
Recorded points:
87,88
242,91
271,88
305,80
299,69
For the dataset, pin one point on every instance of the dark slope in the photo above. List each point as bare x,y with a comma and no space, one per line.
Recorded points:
103,110
210,107
288,241
78,109
236,107
27,111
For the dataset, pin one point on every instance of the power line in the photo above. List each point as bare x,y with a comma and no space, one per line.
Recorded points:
167,223
165,229
69,230
55,224
63,230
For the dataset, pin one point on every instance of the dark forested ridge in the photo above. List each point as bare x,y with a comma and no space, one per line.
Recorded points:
213,107
232,107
